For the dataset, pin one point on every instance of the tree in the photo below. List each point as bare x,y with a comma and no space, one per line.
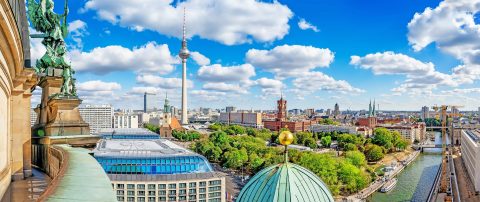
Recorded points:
402,145
384,138
374,152
310,142
236,158
349,147
255,162
215,126
356,158
326,141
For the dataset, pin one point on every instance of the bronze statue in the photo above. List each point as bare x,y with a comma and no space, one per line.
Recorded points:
54,28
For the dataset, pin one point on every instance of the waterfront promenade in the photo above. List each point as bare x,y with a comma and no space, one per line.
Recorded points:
379,182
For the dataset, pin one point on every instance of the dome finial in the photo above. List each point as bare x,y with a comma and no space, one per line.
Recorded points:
286,138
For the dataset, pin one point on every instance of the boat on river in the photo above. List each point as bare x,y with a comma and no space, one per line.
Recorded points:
389,185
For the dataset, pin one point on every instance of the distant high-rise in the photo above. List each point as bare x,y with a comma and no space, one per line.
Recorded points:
97,116
148,100
230,109
184,54
425,112
336,110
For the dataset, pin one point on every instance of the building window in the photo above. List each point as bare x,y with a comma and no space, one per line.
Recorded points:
182,198
120,192
162,193
183,185
192,197
192,184
214,194
202,201
130,198
217,188
202,196
192,191
172,192
130,193
141,193
151,199
162,198
214,200
130,186
151,193
214,182
202,190
120,198
172,186
203,184
120,186
140,199
162,186
151,186
172,198
183,192
140,186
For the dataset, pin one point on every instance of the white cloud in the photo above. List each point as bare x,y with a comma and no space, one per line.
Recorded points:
421,77
97,85
452,28
392,63
219,73
226,21
166,83
150,57
270,86
208,95
314,81
225,87
77,30
200,59
290,60
304,25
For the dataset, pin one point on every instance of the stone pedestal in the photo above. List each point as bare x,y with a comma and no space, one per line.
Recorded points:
58,115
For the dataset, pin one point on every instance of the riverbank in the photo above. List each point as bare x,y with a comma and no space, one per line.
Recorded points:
379,182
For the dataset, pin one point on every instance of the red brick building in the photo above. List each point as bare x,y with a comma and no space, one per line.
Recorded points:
281,120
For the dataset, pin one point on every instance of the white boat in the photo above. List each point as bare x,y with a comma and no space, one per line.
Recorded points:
389,185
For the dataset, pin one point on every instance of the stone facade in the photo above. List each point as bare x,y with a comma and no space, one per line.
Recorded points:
16,82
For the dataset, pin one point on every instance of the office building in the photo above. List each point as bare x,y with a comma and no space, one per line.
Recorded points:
230,109
122,120
470,147
425,113
336,110
333,128
250,119
97,116
158,170
148,102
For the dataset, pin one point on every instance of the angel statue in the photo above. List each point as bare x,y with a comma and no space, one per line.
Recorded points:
54,28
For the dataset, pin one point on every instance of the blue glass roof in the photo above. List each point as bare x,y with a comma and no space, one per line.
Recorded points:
168,165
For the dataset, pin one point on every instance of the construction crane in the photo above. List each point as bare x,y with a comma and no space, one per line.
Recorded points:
444,115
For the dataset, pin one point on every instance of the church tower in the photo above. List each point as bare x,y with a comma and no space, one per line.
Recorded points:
282,109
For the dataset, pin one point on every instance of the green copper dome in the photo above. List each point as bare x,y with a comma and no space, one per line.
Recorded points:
285,182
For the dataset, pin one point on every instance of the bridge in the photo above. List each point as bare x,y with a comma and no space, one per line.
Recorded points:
423,146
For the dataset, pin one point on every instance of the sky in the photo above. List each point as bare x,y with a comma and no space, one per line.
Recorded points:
247,53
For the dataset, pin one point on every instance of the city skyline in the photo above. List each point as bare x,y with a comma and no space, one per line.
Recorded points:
318,54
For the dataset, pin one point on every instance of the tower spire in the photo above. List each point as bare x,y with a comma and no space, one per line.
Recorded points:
184,54
184,38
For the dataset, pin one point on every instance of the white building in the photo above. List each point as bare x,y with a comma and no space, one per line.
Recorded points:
470,148
250,119
333,128
97,116
125,121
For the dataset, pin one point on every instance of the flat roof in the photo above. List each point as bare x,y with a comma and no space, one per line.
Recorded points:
474,135
125,131
169,177
139,148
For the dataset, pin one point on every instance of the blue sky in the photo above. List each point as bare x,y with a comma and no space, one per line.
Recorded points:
403,53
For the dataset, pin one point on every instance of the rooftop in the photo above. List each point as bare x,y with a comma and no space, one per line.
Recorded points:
139,148
474,135
127,133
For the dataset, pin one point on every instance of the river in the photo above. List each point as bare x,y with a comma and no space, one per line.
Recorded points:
416,180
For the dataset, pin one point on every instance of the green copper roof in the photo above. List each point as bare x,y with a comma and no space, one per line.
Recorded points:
286,182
